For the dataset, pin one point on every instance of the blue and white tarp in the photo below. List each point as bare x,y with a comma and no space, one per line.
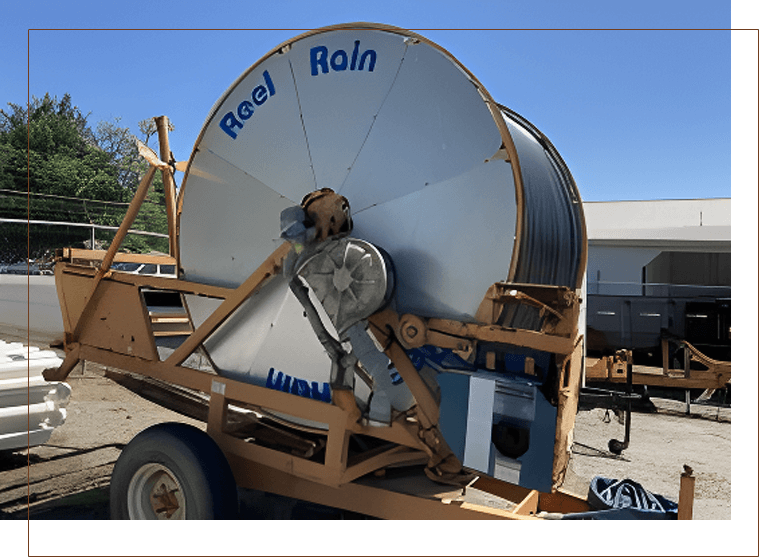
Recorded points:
624,500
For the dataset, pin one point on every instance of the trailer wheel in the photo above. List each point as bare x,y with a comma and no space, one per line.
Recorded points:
172,471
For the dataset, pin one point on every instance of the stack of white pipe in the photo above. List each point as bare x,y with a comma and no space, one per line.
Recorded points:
30,407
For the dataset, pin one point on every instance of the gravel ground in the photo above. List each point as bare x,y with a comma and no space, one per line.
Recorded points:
660,444
69,476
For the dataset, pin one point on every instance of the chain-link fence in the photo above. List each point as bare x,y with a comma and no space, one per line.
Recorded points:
20,241
33,226
30,246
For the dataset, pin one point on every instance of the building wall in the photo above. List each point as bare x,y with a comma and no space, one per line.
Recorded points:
607,264
670,243
690,268
671,237
671,213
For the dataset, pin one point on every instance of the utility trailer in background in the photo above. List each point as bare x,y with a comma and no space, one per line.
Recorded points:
381,269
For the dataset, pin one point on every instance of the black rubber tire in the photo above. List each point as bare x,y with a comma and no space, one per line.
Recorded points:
616,446
194,459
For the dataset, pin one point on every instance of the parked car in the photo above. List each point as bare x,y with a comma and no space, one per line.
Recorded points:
147,269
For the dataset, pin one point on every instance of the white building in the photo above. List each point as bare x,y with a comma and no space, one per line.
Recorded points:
656,265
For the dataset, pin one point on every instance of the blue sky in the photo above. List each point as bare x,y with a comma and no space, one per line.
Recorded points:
636,114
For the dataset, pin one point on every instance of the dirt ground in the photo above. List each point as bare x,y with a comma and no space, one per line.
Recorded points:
660,444
103,416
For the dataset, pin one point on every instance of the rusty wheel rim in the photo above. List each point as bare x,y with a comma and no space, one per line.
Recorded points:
154,493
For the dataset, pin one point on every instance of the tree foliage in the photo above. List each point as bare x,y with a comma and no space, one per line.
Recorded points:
76,173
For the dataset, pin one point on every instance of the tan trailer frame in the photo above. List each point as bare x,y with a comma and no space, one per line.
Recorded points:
106,321
613,369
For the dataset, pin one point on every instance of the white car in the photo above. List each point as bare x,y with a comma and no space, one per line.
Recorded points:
147,269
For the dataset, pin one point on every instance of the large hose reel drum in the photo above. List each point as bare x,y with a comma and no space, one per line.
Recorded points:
449,193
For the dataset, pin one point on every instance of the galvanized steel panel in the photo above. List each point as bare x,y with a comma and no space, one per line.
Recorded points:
405,136
416,145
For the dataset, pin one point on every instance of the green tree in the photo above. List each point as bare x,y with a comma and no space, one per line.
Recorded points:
120,144
152,218
82,175
52,137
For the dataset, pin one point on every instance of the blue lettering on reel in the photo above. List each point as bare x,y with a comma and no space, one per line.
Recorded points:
233,121
295,386
339,60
